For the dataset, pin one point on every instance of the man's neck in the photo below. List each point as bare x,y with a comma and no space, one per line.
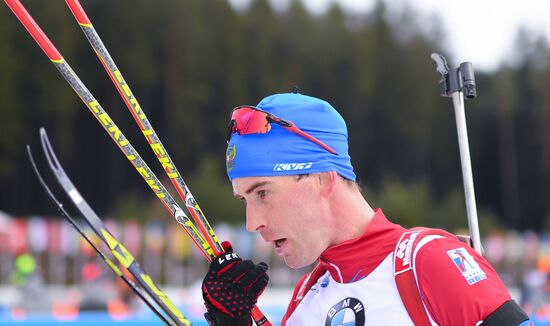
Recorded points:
351,215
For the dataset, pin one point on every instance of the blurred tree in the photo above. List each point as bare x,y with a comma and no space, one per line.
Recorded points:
297,36
261,50
505,94
214,193
528,122
189,62
12,127
381,91
334,61
411,204
541,78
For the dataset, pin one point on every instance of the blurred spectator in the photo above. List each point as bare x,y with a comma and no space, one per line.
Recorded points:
58,258
94,289
26,277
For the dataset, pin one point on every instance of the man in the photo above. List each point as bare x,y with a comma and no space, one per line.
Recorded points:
288,162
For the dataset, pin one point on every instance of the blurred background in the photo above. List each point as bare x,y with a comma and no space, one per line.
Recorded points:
189,62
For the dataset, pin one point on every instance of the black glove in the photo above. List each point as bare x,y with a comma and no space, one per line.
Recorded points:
231,288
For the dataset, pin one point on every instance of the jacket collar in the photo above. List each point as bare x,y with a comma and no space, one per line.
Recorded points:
356,258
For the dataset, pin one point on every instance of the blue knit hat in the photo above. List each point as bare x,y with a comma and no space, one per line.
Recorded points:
282,152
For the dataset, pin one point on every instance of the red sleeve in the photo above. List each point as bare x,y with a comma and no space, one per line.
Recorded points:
293,303
459,286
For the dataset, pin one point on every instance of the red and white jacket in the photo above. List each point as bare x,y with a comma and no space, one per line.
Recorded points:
355,281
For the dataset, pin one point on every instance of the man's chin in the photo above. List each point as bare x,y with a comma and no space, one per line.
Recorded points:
295,263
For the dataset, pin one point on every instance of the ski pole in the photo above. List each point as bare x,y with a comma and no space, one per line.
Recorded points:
101,255
109,126
143,122
457,83
201,240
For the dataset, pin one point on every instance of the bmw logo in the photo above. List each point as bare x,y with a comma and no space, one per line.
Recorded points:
348,312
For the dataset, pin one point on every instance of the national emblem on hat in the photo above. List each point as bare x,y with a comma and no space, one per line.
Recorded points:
230,154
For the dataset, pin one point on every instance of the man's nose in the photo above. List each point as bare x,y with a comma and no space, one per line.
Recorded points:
254,220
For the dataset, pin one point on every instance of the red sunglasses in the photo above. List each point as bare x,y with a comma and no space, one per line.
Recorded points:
247,120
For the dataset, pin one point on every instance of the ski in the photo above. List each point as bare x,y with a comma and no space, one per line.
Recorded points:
99,253
199,230
98,227
110,127
108,124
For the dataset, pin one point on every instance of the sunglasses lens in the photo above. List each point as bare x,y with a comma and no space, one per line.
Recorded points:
248,120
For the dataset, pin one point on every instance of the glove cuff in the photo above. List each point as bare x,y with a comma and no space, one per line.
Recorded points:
214,317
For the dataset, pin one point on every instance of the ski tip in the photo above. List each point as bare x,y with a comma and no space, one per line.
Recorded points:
29,151
31,158
44,138
49,153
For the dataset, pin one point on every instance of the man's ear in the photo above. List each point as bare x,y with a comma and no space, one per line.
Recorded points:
327,182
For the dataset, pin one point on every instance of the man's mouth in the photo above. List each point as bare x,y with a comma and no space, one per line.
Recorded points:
279,242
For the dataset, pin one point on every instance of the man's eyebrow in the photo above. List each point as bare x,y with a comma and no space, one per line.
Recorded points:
256,185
